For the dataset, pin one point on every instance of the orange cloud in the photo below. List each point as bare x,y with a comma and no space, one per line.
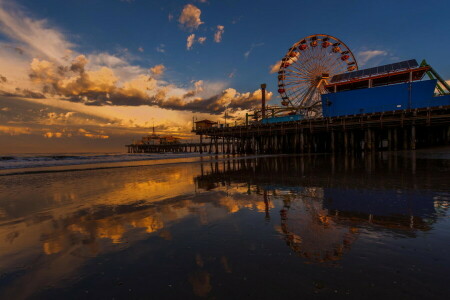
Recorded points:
218,34
190,17
157,70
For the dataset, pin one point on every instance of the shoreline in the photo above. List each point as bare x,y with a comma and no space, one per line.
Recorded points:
442,152
128,164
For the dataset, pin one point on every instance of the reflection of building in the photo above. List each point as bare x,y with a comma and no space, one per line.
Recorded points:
393,210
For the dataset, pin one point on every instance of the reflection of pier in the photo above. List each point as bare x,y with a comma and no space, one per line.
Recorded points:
347,193
327,201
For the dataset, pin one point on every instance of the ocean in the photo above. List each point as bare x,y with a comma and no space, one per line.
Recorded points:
365,226
35,160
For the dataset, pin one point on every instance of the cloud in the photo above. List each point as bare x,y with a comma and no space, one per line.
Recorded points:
50,135
218,34
190,17
190,41
101,88
62,75
160,48
201,39
141,49
275,67
365,56
25,93
64,132
157,70
232,74
14,130
36,34
236,20
3,79
217,104
170,17
253,46
198,88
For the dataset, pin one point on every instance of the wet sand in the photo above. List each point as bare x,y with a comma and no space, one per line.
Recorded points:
267,227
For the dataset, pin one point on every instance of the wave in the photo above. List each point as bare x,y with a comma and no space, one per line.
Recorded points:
21,161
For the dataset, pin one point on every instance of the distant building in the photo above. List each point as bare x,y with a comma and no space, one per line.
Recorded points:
155,139
163,140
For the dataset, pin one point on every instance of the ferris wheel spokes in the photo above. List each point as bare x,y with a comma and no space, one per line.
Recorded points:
305,68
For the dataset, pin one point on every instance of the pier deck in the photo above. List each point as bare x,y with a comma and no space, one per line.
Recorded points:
393,130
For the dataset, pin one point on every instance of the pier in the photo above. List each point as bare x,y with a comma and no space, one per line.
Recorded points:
394,130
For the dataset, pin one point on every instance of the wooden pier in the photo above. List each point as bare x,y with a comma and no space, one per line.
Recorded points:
394,130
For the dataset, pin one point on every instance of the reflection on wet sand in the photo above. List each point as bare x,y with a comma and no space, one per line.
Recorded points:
53,225
324,206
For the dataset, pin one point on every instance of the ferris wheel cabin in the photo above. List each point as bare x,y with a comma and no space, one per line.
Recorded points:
392,87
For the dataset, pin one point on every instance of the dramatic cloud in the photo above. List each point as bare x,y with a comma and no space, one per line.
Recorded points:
190,17
36,34
365,56
217,104
190,41
275,67
101,88
218,34
104,82
157,70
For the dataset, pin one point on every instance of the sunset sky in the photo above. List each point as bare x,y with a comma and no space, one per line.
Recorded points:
92,75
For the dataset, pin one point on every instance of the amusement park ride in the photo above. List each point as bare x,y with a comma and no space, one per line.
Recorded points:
320,65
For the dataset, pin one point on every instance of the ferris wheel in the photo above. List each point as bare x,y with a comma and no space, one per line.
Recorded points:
306,68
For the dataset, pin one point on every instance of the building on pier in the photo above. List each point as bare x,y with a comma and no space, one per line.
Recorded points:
155,139
204,124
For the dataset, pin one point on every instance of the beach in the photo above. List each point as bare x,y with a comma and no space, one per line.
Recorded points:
229,227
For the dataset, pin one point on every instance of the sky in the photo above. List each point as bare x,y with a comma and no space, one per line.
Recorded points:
93,75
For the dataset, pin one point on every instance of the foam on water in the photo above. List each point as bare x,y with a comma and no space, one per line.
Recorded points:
35,160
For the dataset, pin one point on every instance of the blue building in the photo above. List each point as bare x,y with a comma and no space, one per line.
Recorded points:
391,87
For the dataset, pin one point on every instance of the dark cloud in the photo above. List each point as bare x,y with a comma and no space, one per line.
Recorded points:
16,49
19,50
74,83
23,93
30,94
3,79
